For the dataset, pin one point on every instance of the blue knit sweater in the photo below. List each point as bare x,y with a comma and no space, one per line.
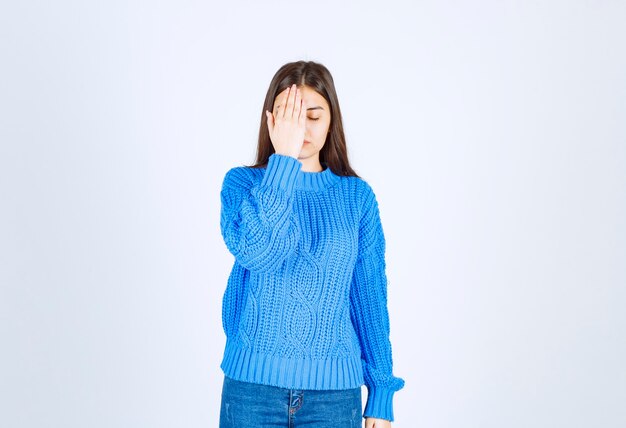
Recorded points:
305,306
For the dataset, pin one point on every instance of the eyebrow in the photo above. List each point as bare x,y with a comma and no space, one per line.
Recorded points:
310,108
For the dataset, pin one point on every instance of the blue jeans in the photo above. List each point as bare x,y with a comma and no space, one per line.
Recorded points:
248,405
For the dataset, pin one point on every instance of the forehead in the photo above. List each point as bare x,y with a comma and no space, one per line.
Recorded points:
309,95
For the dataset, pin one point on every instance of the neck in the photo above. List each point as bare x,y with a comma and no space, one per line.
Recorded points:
311,164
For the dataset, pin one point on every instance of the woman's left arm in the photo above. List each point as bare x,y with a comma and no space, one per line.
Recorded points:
369,314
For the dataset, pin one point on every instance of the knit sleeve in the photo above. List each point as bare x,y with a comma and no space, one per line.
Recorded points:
369,314
257,221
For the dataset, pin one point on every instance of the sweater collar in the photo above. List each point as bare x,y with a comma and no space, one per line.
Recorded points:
316,180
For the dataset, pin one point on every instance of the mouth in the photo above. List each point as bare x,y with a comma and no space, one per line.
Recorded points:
307,142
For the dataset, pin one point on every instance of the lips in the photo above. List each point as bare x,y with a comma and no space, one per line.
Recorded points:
305,142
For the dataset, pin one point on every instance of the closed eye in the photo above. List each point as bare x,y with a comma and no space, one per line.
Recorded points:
314,118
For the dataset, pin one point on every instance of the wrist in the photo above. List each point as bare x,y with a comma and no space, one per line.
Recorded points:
379,403
281,172
285,153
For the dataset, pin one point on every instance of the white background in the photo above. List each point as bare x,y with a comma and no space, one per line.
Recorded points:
493,133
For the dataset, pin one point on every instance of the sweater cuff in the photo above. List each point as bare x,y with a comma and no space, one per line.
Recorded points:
282,172
379,403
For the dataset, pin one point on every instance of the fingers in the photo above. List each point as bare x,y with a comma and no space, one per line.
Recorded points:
270,123
291,94
289,104
291,107
302,117
296,106
282,108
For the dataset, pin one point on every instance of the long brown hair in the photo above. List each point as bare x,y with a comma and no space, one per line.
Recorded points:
334,153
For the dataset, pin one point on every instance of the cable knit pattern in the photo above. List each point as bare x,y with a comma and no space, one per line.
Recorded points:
305,306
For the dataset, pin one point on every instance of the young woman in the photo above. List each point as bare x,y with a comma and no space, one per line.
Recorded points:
305,307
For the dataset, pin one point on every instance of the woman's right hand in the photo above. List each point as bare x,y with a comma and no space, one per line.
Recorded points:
287,125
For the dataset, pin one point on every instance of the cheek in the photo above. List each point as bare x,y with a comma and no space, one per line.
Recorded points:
318,128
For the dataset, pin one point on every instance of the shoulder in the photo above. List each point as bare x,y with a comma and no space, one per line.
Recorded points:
357,183
362,188
241,177
362,192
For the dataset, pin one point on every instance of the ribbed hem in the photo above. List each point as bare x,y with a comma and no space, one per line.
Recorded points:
294,373
281,172
379,403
